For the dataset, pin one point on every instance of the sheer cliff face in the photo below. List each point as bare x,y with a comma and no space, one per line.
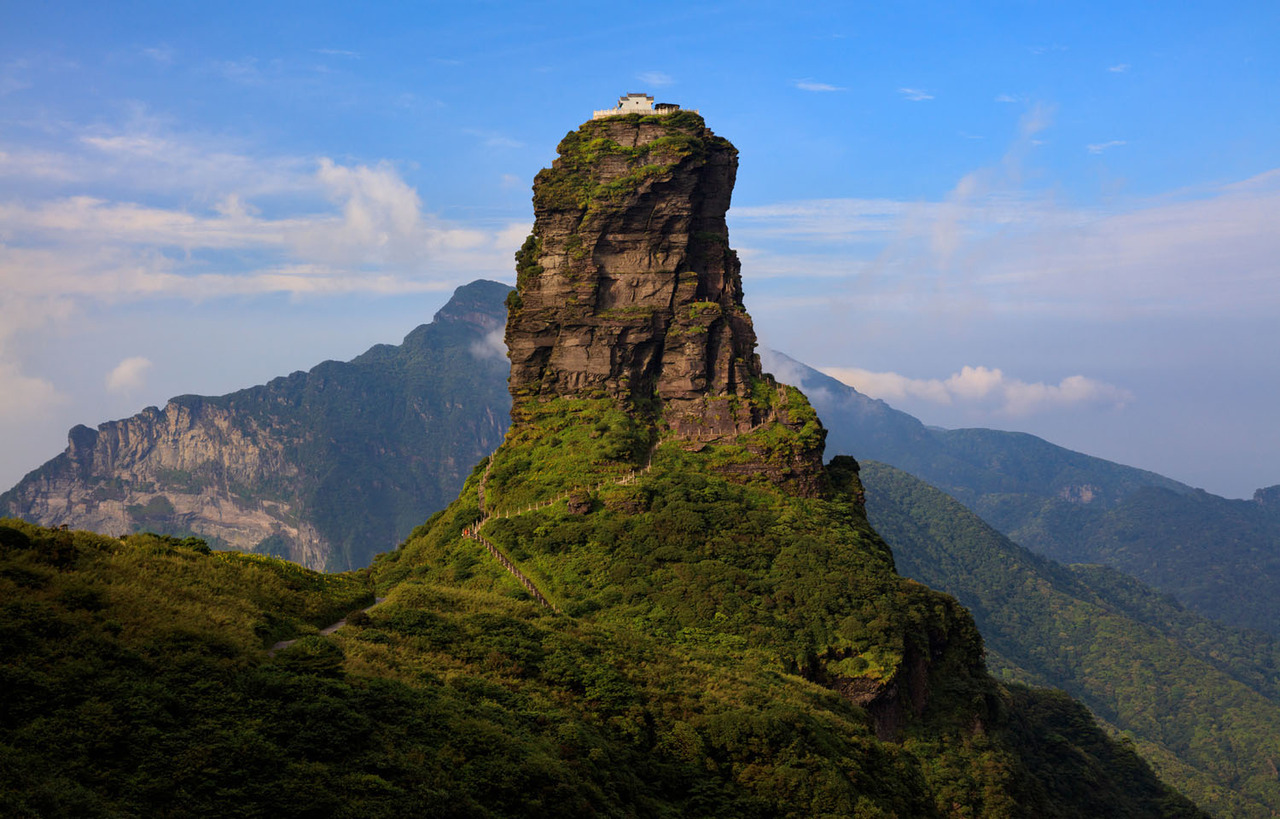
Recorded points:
186,468
628,287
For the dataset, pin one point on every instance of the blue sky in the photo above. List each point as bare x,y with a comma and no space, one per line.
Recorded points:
1051,217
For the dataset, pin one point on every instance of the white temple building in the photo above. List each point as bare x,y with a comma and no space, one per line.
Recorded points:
637,104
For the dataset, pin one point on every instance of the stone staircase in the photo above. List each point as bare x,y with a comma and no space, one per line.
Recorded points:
473,531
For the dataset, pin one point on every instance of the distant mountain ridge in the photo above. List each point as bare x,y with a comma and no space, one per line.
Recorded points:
971,464
655,484
248,470
1200,700
1072,507
337,439
326,467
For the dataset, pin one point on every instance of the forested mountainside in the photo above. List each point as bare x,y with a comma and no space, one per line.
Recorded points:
139,680
248,471
653,599
1199,699
326,467
656,484
1198,547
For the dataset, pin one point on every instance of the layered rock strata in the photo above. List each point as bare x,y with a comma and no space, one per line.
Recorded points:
628,287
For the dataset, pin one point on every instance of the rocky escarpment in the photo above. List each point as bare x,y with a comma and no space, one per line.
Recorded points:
325,468
190,467
628,288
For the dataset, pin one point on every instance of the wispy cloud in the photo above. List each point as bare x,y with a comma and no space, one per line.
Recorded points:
810,85
826,220
245,71
23,397
1119,68
1099,147
195,228
996,245
129,375
1010,98
915,94
12,77
493,345
493,139
163,54
656,79
986,387
338,52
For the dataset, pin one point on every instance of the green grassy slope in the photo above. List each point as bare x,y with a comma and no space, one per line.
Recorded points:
765,605
138,683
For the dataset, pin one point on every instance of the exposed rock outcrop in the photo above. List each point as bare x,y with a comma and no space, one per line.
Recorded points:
628,288
325,468
1267,496
185,468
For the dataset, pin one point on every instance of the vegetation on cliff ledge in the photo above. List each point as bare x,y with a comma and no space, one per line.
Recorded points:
575,180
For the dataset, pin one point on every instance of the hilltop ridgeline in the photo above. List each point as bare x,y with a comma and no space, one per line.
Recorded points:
656,492
651,600
325,467
628,289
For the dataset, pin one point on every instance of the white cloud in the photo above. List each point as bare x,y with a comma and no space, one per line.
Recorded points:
130,374
148,156
657,79
1009,98
23,397
1099,147
1119,69
25,163
827,220
915,94
493,345
193,218
810,85
338,52
513,235
993,246
10,84
982,386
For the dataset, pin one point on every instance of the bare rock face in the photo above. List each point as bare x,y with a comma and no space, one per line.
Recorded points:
182,468
628,287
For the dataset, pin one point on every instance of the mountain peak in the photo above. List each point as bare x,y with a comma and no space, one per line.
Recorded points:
475,303
628,289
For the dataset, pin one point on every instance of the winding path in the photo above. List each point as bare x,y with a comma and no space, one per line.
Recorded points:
329,629
473,531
